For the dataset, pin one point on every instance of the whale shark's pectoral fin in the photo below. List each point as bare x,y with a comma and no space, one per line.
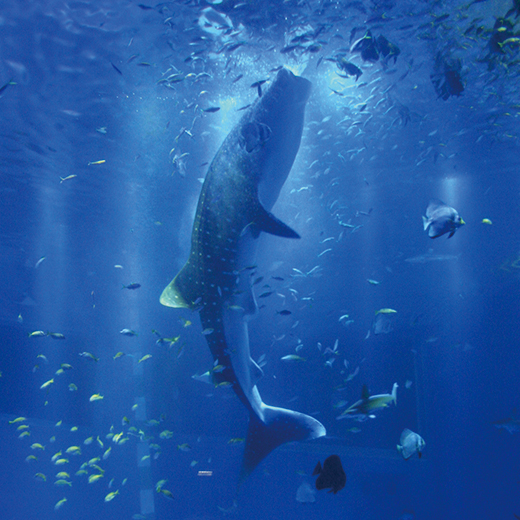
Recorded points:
279,426
268,223
180,293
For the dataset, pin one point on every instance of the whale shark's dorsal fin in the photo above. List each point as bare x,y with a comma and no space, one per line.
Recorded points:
268,223
179,293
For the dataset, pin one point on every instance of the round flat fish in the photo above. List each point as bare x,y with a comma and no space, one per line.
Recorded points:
441,219
331,475
410,443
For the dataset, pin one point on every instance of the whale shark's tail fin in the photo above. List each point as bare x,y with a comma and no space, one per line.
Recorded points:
279,426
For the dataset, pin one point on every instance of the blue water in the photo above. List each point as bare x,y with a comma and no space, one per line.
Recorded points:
113,93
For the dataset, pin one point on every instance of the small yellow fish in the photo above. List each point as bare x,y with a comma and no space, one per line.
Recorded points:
119,354
41,477
101,471
386,311
74,429
88,441
37,446
59,504
62,179
62,474
166,434
74,450
94,478
89,355
96,397
111,496
22,427
166,493
17,420
37,334
72,387
184,447
81,472
24,434
90,163
117,437
62,483
236,440
56,456
107,454
487,221
31,457
144,358
60,462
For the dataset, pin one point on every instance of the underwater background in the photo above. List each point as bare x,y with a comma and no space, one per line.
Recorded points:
111,112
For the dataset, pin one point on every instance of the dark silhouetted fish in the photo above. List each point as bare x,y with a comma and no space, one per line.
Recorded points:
331,475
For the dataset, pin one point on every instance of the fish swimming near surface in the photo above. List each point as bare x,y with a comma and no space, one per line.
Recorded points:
331,475
441,219
242,185
411,443
365,407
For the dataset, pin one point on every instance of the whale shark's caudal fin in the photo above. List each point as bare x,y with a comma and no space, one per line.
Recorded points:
279,426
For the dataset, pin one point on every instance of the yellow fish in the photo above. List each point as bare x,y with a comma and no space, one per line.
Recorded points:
166,493
17,420
111,496
37,334
62,179
60,503
487,221
386,311
96,397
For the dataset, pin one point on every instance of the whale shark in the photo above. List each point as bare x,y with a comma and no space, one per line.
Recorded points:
242,184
